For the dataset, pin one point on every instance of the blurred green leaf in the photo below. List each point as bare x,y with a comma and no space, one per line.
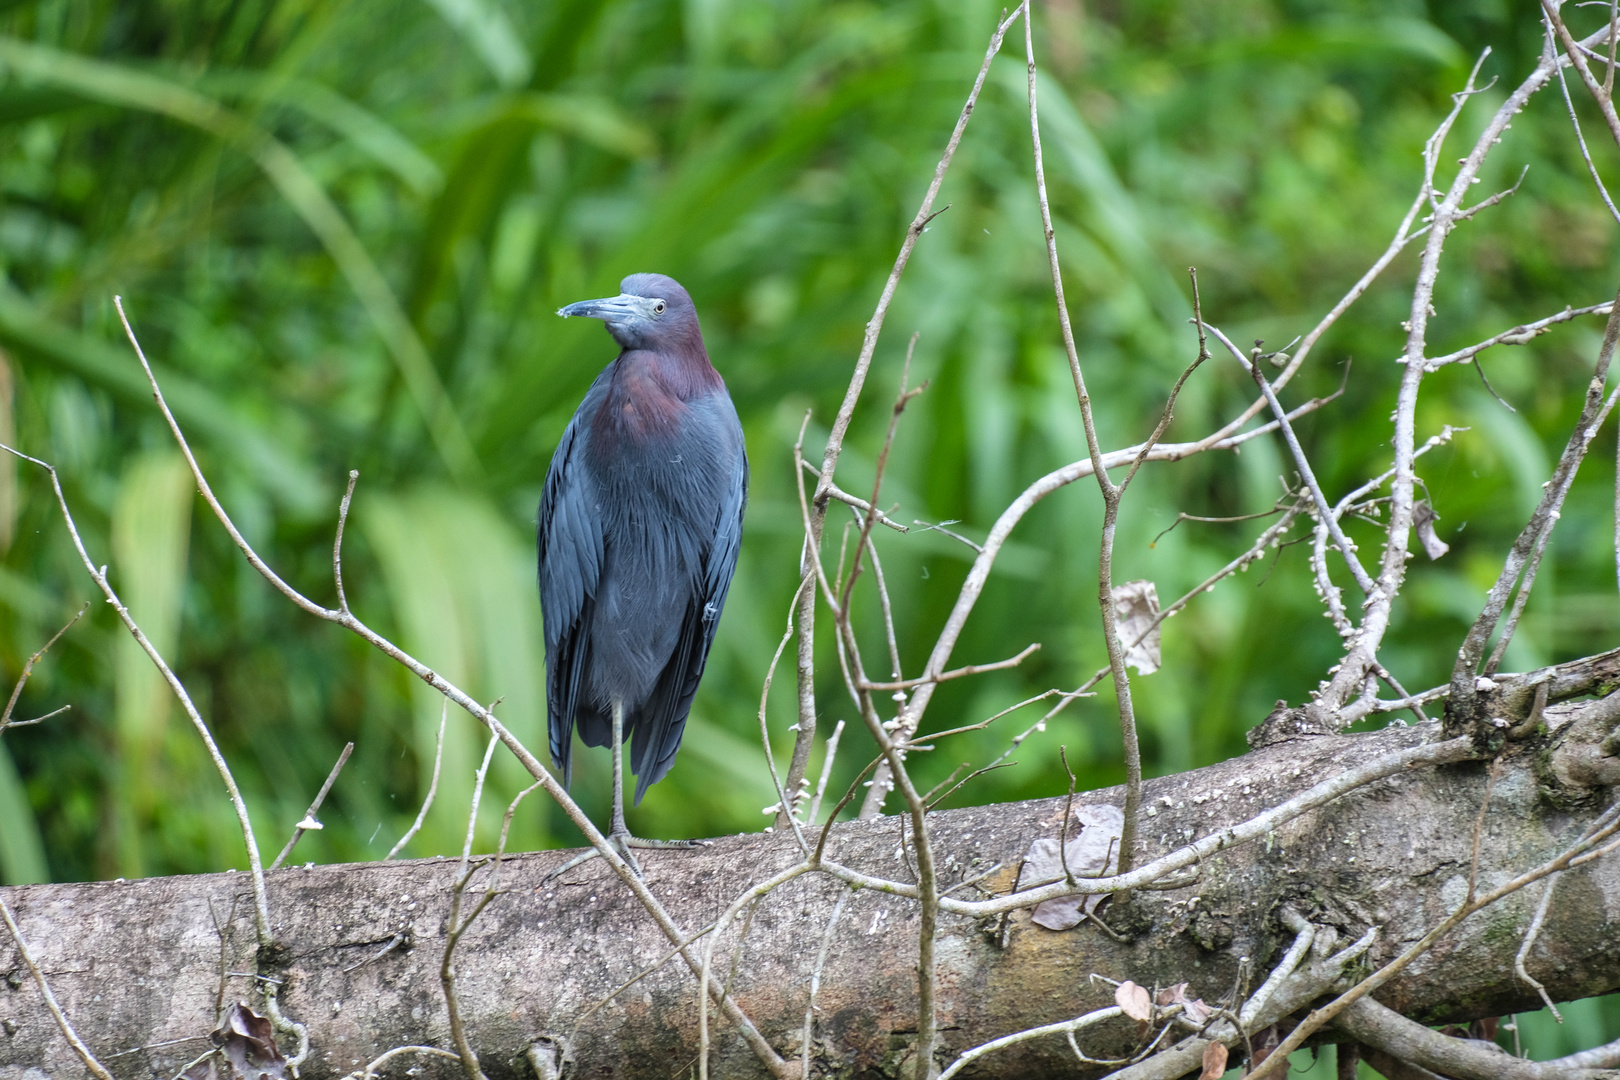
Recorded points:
458,583
151,526
22,851
116,85
490,35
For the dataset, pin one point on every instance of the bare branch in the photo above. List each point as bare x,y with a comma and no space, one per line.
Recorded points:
958,673
28,669
1522,334
1605,828
785,802
1530,936
433,787
846,410
1063,1027
1320,794
1361,655
826,772
337,542
309,821
1302,463
1465,1059
855,502
1460,705
1099,470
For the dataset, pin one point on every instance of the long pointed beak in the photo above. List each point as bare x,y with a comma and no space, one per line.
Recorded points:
608,309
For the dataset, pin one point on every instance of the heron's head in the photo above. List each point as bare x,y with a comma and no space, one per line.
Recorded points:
650,312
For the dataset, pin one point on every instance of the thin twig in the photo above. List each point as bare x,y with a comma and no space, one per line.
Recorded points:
382,1059
1348,681
1325,513
28,669
1528,580
785,803
881,782
958,673
433,787
1089,1019
828,756
337,542
477,795
753,893
308,821
1110,491
1530,936
815,981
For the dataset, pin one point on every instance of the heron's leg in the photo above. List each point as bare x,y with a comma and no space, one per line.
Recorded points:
618,832
617,826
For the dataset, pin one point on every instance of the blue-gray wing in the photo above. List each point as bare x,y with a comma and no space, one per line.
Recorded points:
658,731
570,550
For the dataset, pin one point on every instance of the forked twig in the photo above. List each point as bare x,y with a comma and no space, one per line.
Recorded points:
28,669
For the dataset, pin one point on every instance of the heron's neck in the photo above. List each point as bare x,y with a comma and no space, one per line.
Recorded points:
648,400
681,371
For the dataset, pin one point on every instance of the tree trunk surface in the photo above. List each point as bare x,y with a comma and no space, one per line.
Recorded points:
136,965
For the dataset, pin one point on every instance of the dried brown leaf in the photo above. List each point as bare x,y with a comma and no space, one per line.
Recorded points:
1214,1062
1133,1000
206,1069
1092,850
248,1043
1193,1009
1264,1043
1136,604
1172,995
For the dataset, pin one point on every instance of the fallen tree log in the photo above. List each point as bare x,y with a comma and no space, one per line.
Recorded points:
137,965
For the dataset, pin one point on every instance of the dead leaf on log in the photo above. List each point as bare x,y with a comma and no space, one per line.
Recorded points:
1214,1062
1264,1043
1093,851
1136,604
1193,1009
1134,1001
206,1069
248,1043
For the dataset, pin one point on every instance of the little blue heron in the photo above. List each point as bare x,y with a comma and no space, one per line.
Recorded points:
640,520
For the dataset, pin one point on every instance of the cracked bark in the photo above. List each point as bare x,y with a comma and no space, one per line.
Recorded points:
135,964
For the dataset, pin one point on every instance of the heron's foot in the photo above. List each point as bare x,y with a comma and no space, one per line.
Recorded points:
636,841
622,842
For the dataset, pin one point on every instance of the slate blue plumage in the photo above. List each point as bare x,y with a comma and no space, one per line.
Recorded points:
639,525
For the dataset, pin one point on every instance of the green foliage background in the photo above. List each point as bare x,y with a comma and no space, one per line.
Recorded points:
342,230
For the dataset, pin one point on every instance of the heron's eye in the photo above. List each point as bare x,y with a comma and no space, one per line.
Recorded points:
658,307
